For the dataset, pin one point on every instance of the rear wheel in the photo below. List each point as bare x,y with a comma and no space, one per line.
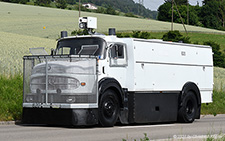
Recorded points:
188,110
108,108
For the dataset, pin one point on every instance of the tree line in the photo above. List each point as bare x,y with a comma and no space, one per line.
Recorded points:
211,14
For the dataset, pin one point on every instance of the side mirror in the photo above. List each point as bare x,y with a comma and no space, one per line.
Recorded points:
52,51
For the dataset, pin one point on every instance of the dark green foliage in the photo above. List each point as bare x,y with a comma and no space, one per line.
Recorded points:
61,4
213,14
79,32
124,34
141,34
175,36
43,2
130,15
218,56
111,11
72,2
165,13
210,15
100,10
135,34
11,94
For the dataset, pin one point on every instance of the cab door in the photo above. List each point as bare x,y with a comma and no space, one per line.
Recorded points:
118,62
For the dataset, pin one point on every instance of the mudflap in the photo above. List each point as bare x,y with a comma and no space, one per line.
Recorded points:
62,117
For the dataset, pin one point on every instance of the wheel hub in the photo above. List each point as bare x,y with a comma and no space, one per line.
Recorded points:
109,108
190,107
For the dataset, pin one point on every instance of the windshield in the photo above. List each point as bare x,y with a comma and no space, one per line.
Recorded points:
82,46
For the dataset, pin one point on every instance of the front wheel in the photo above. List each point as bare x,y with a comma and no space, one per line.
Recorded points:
108,108
188,110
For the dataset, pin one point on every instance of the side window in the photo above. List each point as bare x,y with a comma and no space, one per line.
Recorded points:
117,51
118,56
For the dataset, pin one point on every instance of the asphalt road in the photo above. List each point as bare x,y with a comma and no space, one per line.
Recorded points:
207,125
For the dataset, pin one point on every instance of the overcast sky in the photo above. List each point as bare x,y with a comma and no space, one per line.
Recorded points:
154,4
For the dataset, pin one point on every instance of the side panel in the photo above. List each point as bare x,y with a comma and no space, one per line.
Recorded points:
166,66
153,107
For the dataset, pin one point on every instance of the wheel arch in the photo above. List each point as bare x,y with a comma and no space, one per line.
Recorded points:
111,83
191,86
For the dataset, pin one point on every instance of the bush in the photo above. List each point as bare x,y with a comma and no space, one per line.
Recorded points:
79,32
175,36
135,34
61,4
130,15
218,56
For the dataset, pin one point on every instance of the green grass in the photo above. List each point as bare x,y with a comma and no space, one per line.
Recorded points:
11,92
219,79
217,107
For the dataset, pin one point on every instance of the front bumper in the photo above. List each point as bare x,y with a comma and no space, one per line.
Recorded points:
62,117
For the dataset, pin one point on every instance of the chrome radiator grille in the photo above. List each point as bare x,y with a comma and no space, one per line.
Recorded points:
54,83
60,79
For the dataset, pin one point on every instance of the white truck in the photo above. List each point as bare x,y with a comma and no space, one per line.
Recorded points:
98,79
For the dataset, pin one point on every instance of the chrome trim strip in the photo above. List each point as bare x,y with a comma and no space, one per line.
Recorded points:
59,105
177,64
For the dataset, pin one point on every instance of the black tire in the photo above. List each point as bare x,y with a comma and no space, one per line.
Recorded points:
188,110
108,108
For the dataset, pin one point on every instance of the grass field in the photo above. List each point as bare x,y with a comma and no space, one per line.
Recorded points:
14,47
219,79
